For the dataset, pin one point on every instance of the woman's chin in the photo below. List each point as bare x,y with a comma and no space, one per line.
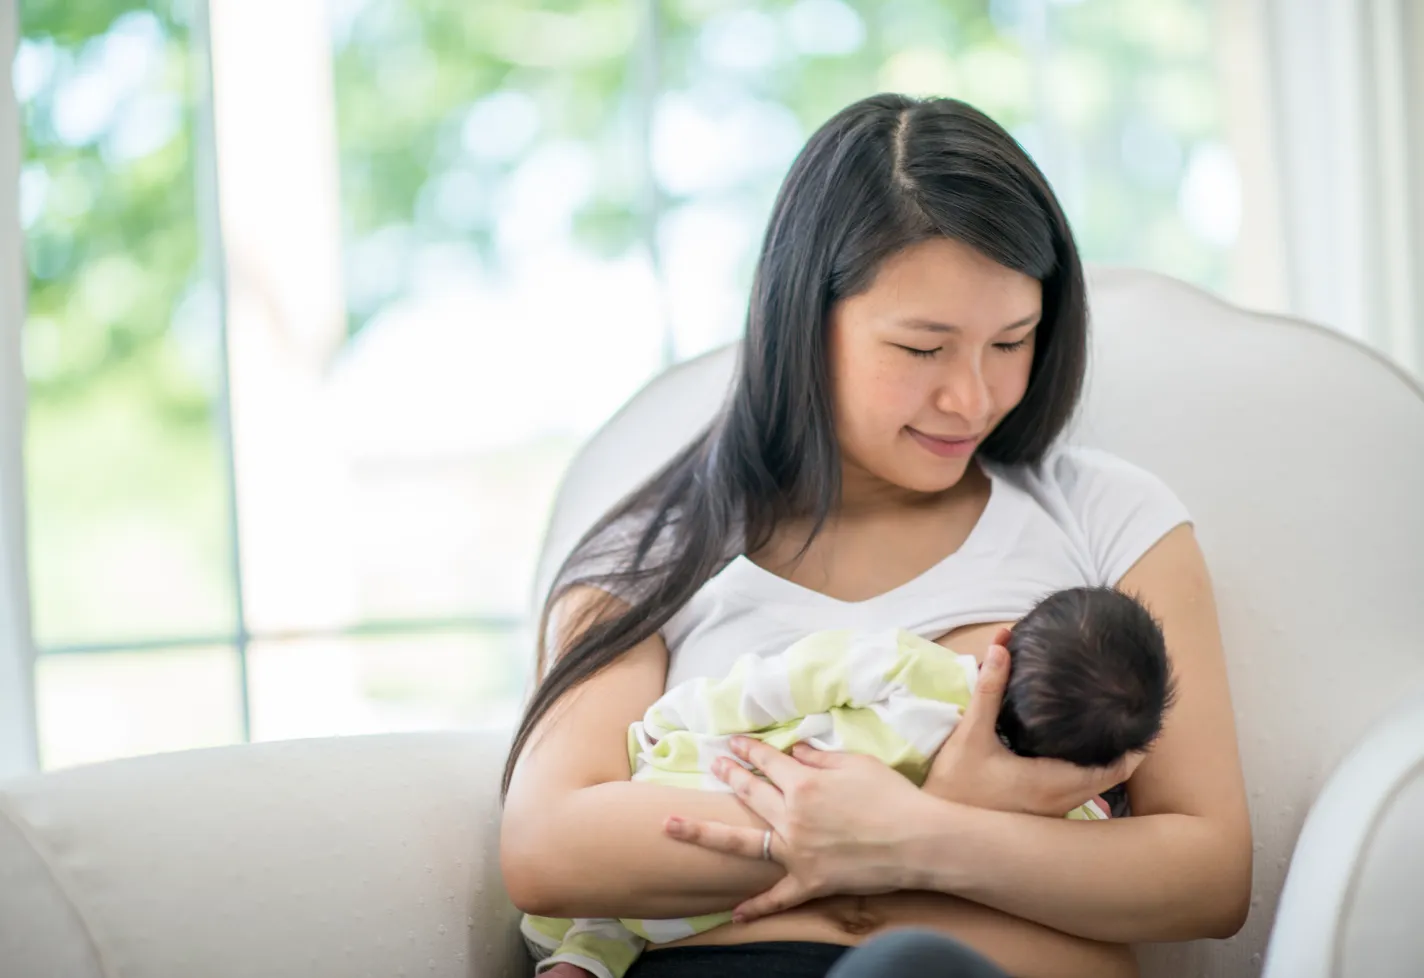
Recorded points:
939,476
905,473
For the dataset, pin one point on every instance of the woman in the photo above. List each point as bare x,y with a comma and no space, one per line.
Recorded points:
916,344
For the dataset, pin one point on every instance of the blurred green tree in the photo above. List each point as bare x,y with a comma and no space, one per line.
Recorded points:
444,106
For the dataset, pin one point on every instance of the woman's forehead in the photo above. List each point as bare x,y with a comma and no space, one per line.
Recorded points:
945,282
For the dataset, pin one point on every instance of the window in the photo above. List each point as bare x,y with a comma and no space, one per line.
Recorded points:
323,298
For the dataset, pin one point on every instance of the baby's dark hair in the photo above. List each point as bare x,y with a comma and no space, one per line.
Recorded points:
1090,680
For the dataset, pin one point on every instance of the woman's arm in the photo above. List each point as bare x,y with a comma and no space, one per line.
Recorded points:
1180,868
578,839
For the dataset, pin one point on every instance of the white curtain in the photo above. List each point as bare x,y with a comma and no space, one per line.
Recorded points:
1327,100
17,714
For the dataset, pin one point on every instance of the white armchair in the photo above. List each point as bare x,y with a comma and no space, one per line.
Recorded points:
1301,456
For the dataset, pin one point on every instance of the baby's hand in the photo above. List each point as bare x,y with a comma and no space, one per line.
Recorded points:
565,970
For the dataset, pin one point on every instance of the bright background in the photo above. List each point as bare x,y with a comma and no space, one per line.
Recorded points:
323,296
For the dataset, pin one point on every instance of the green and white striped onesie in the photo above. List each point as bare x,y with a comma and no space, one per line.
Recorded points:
888,693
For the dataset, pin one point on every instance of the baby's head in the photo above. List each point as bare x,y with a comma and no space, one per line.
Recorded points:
1090,678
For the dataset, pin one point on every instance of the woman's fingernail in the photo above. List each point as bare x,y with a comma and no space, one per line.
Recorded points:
674,822
738,744
739,918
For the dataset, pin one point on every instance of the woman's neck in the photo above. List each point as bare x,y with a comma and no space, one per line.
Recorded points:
871,504
867,496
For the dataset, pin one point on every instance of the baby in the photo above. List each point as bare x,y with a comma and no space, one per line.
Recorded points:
1090,681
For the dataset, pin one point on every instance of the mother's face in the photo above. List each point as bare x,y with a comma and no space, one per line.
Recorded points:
928,360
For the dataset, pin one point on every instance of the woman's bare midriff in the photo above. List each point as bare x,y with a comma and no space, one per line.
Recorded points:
1022,948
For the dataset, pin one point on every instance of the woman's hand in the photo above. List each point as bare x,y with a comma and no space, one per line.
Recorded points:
975,768
823,831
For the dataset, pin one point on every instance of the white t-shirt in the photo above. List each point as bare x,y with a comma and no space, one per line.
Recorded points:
1081,518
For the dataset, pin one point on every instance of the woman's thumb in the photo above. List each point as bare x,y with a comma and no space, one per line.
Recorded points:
989,687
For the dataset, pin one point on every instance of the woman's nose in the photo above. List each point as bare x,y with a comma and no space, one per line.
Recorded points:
965,393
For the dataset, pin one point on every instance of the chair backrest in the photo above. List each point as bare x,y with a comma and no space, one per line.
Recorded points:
1301,457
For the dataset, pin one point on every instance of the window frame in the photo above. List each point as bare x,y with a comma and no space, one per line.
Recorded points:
18,748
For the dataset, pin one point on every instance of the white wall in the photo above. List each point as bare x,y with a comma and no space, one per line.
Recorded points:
17,715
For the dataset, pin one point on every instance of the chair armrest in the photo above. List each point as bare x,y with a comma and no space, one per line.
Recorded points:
1353,896
302,859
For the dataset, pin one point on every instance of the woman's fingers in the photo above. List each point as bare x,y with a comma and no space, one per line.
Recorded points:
1063,786
782,770
1128,765
787,893
763,798
1116,773
1099,779
717,836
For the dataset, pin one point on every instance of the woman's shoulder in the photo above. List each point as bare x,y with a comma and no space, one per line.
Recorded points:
1118,509
1080,473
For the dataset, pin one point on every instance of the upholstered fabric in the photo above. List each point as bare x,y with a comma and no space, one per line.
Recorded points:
1301,459
307,859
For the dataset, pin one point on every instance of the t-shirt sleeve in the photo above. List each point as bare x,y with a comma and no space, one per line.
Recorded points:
1122,510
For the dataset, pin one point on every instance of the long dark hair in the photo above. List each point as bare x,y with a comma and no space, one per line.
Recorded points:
883,174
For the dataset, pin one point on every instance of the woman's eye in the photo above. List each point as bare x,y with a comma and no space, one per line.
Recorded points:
915,351
1011,347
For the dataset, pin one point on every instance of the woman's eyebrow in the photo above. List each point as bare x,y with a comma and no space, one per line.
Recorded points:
931,326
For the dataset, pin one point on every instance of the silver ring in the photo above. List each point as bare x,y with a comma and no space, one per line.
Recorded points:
766,846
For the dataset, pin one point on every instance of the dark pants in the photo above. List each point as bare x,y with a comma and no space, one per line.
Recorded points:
903,954
914,953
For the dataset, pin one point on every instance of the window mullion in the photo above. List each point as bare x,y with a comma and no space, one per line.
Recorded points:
18,752
215,271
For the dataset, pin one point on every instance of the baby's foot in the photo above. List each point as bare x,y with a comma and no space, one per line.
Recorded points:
565,970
